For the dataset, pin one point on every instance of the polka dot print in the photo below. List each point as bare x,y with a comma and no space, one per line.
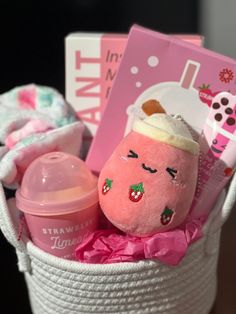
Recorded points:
222,105
228,111
218,117
224,101
216,105
230,121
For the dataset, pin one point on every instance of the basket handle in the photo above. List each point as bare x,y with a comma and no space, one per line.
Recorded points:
229,201
218,216
9,220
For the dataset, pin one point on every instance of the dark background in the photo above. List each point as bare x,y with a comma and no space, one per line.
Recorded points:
32,32
32,51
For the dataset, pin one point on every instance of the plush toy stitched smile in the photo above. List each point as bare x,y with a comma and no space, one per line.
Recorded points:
148,183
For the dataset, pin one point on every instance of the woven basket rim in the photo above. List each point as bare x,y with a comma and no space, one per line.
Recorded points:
119,267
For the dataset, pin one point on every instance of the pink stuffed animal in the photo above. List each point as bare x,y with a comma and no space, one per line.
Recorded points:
148,183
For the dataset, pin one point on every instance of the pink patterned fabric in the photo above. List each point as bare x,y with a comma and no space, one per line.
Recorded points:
27,97
31,127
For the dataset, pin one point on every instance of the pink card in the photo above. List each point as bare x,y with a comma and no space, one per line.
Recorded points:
92,60
182,77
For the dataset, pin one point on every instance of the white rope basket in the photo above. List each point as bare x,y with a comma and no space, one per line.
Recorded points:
58,286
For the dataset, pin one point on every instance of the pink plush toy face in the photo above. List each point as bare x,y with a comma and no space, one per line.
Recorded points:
147,186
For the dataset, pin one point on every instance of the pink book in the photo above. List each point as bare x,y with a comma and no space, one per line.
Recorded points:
92,60
181,76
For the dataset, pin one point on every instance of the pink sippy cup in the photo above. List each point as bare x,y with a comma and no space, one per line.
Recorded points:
59,198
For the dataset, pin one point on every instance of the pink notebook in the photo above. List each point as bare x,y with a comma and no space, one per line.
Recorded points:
92,60
182,77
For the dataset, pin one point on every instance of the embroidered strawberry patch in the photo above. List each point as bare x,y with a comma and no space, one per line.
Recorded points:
166,216
106,186
136,192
